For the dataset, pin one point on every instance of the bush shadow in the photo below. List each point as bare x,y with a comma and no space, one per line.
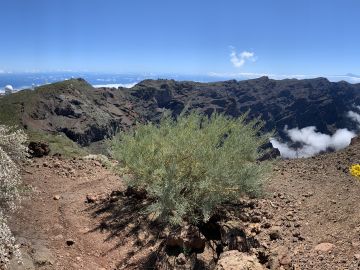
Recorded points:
122,216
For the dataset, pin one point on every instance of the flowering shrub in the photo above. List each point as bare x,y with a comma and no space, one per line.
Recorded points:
7,243
13,142
191,165
355,170
12,150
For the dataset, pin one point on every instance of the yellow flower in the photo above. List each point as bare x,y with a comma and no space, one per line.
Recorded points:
355,170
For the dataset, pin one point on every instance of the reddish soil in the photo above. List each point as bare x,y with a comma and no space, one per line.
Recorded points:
308,202
315,201
43,218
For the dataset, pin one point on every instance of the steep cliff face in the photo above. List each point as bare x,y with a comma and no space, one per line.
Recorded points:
295,103
87,115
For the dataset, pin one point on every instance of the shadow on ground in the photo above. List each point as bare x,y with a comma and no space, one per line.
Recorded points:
122,215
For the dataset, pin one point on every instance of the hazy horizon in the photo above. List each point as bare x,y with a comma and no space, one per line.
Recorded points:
25,80
231,39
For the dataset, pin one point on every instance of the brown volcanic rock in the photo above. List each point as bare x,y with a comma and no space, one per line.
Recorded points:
355,140
189,237
233,259
324,247
39,149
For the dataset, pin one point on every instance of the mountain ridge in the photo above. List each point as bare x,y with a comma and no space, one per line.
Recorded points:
88,115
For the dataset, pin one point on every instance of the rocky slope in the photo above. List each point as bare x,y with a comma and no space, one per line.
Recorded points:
87,115
74,108
296,103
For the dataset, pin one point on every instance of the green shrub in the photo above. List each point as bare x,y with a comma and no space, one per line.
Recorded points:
12,151
192,165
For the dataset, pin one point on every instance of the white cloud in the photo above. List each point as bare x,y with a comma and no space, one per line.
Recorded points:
2,89
115,85
312,142
253,75
238,60
354,116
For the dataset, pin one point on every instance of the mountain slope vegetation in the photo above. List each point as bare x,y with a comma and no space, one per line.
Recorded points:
86,115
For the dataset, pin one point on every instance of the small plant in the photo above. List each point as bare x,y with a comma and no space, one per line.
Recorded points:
12,151
355,170
193,164
104,161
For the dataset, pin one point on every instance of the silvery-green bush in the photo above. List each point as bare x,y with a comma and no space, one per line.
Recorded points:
12,151
193,164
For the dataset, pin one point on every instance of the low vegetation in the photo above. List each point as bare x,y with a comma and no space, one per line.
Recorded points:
58,143
193,164
16,107
12,150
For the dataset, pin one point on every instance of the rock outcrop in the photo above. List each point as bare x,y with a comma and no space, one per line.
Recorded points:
39,149
233,259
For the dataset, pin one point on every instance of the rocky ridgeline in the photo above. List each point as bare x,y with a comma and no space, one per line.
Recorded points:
87,115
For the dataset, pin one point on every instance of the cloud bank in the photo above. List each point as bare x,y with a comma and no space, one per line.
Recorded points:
311,142
238,60
252,75
115,85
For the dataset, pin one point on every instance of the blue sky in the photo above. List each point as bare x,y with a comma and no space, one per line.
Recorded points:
283,37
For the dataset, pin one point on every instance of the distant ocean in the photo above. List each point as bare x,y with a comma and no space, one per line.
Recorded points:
29,80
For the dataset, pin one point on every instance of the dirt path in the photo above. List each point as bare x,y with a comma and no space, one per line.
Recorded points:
57,213
309,202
